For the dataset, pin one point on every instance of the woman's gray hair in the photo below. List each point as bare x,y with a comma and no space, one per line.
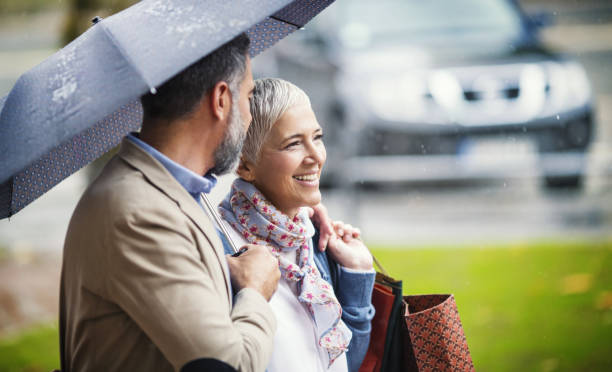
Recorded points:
271,99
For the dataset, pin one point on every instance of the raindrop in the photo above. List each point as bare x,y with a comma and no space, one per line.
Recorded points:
154,91
558,117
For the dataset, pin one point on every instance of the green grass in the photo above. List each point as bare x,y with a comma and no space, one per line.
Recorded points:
537,307
34,350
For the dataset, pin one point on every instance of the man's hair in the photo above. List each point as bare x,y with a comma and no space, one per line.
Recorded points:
271,99
179,96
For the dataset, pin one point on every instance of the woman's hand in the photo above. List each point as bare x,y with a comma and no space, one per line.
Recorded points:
347,249
320,217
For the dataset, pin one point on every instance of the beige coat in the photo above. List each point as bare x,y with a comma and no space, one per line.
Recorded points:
144,282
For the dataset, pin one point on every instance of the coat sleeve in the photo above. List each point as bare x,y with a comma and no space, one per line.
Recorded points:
354,292
166,287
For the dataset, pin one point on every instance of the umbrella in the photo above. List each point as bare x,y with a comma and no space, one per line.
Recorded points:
81,101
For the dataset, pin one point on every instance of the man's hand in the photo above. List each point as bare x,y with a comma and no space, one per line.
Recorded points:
320,217
256,268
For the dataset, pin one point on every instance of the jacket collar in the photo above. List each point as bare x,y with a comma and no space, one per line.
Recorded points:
159,176
194,183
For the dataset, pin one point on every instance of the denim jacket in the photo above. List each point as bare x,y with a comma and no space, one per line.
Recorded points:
354,292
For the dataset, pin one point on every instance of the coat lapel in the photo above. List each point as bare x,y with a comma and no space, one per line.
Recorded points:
159,176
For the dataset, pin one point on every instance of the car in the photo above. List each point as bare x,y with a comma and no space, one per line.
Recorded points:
438,90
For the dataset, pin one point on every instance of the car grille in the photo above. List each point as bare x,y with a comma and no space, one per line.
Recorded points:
376,141
475,95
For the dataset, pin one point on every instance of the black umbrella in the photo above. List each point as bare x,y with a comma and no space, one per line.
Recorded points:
80,102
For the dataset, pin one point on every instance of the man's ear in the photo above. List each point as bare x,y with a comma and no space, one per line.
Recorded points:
245,170
220,100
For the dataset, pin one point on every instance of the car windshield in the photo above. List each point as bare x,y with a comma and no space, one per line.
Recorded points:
366,22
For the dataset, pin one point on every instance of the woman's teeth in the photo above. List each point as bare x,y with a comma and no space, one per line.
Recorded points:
309,177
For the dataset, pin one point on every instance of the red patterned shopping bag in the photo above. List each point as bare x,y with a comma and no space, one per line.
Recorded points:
414,333
434,339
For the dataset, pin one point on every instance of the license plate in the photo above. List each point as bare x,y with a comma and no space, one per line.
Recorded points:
496,150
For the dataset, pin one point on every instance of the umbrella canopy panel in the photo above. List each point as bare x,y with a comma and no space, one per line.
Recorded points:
80,102
113,63
292,17
29,184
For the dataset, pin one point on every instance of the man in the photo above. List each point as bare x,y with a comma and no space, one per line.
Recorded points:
145,285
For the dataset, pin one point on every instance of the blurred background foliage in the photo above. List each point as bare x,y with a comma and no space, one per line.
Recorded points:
79,13
26,6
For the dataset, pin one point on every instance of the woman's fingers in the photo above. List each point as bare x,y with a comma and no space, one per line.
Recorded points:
349,232
339,227
343,231
325,224
346,231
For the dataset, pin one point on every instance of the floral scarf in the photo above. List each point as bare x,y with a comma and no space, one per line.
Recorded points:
259,222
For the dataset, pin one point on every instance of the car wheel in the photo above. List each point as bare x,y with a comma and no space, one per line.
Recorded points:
571,183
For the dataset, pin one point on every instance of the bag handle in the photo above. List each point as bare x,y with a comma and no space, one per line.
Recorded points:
379,265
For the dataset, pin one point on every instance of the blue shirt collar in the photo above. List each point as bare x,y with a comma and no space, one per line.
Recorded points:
191,181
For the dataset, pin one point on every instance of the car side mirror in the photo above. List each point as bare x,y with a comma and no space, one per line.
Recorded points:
540,19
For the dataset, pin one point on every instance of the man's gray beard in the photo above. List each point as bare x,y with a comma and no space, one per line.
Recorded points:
228,152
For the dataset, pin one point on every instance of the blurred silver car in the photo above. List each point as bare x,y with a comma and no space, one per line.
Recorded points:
438,90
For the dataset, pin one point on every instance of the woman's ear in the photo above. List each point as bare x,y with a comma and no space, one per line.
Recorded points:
246,170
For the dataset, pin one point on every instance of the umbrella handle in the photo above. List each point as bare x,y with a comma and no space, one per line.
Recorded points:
220,223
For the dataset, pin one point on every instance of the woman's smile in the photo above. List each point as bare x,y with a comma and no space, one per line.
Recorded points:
290,161
311,179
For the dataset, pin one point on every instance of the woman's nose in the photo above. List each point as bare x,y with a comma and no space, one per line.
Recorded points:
316,153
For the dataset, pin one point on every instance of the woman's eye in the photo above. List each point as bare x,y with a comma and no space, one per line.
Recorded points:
292,144
318,137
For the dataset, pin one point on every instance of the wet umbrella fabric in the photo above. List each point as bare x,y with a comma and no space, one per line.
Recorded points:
80,102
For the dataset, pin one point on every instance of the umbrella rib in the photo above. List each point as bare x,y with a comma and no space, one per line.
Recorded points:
287,22
110,35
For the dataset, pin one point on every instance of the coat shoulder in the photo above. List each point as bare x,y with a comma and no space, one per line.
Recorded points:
121,192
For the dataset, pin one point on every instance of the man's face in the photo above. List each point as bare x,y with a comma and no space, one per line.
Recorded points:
228,152
246,93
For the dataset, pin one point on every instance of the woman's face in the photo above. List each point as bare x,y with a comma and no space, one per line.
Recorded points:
290,161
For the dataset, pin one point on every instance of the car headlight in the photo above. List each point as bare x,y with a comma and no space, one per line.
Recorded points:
447,92
579,85
398,99
569,86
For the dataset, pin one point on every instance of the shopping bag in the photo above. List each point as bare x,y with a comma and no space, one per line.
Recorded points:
386,338
414,333
433,335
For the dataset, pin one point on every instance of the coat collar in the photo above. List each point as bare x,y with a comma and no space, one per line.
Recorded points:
159,176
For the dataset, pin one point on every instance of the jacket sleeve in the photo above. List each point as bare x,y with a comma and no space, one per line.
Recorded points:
354,292
166,287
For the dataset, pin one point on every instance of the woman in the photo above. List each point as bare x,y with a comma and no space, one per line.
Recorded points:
321,327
